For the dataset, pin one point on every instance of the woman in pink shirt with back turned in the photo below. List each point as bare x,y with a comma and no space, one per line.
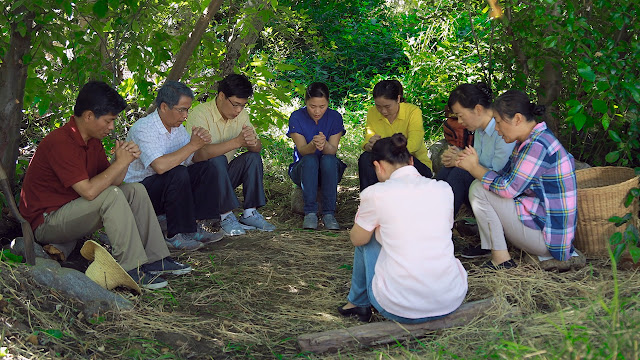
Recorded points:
403,263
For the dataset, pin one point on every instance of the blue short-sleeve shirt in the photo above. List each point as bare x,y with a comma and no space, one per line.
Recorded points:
301,123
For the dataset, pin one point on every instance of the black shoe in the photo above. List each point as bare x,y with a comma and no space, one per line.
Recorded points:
363,313
509,264
166,266
474,252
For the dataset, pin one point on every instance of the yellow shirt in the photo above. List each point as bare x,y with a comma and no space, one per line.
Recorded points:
207,116
408,122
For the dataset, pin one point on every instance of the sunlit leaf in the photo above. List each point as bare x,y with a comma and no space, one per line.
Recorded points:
585,72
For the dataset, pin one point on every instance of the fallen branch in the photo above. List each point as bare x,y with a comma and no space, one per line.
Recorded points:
27,233
387,331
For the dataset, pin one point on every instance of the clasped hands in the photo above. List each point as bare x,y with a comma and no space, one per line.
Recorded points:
127,150
466,158
199,137
247,137
319,141
372,140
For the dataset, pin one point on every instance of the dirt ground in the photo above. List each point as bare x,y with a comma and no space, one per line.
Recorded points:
252,296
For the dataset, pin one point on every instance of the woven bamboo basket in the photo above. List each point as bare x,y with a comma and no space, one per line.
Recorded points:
601,195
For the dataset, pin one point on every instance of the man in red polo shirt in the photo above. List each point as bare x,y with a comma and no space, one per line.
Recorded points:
71,190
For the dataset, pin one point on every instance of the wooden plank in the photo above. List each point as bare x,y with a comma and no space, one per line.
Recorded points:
388,331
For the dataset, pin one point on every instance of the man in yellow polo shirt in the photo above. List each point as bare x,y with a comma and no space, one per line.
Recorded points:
392,115
228,123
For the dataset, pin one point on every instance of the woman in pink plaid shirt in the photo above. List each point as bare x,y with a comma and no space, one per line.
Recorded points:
532,201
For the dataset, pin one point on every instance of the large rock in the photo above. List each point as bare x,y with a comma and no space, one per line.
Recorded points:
435,154
17,247
77,285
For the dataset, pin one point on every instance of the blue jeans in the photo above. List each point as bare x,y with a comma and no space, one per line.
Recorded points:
361,292
312,171
245,169
460,180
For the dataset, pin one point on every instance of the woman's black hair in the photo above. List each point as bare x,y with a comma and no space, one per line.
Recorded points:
512,102
392,150
389,89
317,89
470,95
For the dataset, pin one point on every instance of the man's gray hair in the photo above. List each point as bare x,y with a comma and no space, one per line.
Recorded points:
171,92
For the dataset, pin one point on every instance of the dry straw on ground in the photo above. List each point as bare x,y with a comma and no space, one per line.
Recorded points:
251,296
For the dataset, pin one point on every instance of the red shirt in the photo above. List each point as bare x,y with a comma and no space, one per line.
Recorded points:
61,160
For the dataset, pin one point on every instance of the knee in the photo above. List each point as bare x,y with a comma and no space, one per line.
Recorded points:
328,162
476,190
309,161
112,194
218,162
365,160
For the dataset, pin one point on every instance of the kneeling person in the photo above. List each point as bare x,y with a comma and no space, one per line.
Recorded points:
71,190
228,123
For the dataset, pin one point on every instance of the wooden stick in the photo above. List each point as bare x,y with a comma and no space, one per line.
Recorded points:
387,331
27,233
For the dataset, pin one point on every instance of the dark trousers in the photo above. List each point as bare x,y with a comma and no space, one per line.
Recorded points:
367,172
245,169
312,171
185,195
459,180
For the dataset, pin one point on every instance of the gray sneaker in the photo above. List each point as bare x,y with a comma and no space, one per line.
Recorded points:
330,222
310,221
257,221
232,227
183,242
162,220
206,237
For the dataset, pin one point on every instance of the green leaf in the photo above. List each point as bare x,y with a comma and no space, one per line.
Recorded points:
579,119
600,106
286,67
100,8
632,90
614,136
615,238
54,333
605,120
43,105
618,251
585,72
602,86
619,221
634,251
612,157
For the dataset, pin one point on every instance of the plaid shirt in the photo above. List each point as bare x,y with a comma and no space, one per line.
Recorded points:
540,177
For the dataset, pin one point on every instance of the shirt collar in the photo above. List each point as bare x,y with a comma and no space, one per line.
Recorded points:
404,171
539,128
491,127
157,122
72,128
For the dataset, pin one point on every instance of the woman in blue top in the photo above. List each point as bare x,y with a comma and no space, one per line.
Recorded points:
316,131
471,104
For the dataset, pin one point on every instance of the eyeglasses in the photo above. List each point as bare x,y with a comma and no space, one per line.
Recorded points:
182,110
237,106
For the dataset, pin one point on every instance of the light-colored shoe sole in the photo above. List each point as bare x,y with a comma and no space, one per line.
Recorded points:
170,246
172,272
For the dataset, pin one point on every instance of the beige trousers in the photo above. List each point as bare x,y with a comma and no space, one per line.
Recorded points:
498,222
127,215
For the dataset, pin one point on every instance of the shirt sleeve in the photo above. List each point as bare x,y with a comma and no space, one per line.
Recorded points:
294,124
148,144
415,131
368,131
367,216
337,124
527,167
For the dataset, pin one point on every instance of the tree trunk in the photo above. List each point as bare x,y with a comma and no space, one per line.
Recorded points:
186,50
13,77
238,43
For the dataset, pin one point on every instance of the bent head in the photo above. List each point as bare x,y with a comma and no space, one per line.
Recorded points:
317,100
390,154
515,115
234,92
174,101
471,104
97,106
387,95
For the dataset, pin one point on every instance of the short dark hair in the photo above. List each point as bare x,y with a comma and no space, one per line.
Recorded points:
171,92
236,85
317,89
389,89
515,101
470,95
99,98
392,150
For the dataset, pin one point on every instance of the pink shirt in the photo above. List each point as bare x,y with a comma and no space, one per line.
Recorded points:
416,274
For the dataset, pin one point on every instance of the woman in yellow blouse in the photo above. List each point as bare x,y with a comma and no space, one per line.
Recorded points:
392,115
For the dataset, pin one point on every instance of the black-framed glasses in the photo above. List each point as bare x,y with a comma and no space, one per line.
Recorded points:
236,106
